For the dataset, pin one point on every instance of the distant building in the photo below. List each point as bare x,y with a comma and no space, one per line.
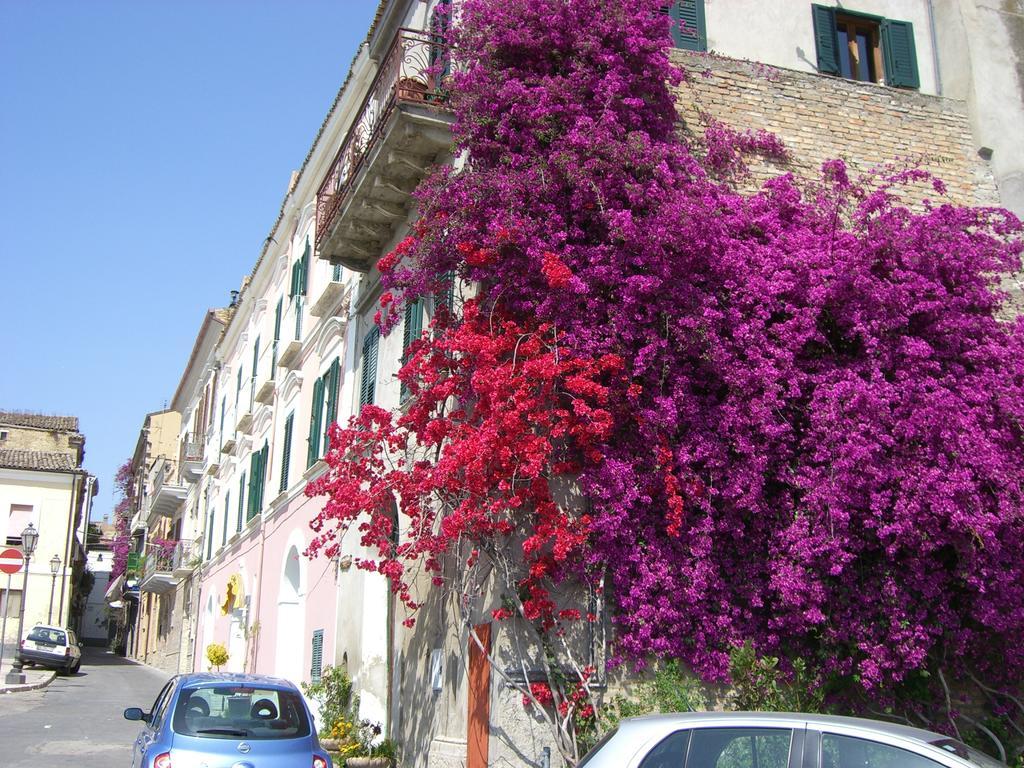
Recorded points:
42,483
95,627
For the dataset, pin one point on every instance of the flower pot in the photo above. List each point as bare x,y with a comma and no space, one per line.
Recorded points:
331,745
368,762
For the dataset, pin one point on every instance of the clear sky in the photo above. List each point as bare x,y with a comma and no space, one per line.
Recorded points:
145,149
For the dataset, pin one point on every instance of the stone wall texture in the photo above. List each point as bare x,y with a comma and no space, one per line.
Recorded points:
820,118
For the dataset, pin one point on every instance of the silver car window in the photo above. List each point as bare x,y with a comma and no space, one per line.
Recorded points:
739,748
670,752
850,752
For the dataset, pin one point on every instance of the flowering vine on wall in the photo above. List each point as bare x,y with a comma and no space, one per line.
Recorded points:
794,416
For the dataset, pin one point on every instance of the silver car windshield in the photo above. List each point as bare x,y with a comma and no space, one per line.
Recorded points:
231,711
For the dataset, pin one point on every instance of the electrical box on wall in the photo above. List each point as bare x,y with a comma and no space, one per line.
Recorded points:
436,669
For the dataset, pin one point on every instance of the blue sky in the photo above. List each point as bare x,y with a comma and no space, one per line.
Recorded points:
145,148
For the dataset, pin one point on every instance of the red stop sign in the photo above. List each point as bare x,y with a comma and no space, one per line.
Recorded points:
11,561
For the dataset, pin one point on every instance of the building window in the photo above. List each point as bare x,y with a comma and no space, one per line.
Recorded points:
325,392
241,503
866,48
411,331
688,26
286,451
368,380
317,657
18,520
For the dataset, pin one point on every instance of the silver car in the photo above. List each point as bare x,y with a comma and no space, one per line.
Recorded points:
776,740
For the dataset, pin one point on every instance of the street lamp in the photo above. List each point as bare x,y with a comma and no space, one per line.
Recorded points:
54,567
29,538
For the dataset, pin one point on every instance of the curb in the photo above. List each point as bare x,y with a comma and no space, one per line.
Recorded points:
28,686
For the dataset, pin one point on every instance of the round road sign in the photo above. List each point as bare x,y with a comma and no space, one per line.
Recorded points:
11,561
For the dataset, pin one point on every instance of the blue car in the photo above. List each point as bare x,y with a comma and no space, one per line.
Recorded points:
227,721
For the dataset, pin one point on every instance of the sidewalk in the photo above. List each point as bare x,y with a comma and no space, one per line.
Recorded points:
35,677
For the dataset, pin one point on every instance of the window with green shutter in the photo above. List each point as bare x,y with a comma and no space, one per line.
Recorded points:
317,665
864,47
254,472
278,312
315,420
227,514
264,461
368,380
332,378
286,451
241,503
688,26
411,331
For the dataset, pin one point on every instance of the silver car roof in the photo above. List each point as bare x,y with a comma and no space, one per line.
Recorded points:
790,719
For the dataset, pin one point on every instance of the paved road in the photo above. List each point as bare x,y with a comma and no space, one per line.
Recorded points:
77,720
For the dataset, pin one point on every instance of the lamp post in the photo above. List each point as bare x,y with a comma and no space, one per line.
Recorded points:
29,538
54,567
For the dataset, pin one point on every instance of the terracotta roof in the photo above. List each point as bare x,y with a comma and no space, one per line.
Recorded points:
39,421
45,461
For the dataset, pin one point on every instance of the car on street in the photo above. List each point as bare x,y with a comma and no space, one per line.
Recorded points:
225,720
51,647
776,740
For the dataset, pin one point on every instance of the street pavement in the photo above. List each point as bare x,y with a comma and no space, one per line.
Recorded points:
77,720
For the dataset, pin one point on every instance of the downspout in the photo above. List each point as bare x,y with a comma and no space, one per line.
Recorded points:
935,47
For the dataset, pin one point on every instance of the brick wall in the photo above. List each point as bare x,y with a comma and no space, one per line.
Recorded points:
820,118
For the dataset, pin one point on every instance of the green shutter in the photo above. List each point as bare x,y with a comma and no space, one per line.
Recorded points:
227,513
825,39
317,657
368,383
277,337
304,283
688,25
315,419
241,501
293,287
298,318
899,54
286,451
411,331
333,375
264,456
254,473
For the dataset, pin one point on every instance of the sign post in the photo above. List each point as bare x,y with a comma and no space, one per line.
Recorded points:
10,563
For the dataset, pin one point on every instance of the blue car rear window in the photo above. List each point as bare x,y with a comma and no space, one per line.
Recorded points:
227,711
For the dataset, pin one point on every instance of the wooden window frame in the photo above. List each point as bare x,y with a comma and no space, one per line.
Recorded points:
851,23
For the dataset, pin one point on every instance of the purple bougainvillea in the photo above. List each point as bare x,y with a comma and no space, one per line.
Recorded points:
817,441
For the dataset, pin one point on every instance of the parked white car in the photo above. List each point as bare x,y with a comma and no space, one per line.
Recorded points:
54,647
776,740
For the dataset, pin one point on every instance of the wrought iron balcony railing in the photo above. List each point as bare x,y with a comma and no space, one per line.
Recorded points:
411,73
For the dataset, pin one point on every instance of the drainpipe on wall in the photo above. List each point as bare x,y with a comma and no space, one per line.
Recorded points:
935,47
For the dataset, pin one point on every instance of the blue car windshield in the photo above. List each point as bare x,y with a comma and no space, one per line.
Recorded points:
219,710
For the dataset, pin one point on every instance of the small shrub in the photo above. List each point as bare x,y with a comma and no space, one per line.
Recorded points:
217,655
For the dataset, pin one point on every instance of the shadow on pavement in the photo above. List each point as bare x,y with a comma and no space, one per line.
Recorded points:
100,657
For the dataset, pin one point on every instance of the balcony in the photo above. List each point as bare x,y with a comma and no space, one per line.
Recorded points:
187,557
192,456
167,494
244,424
402,127
328,301
156,570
